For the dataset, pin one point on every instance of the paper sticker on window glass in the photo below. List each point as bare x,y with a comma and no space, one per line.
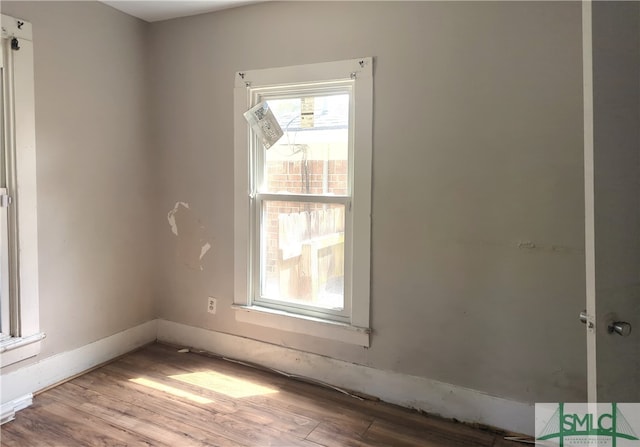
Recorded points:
307,112
264,124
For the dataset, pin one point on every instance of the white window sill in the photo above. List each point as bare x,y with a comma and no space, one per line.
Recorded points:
15,349
301,324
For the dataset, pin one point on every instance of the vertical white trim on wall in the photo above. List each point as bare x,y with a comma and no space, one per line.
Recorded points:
363,160
589,198
241,209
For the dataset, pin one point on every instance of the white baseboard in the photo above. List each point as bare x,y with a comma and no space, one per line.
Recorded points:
409,391
8,410
18,386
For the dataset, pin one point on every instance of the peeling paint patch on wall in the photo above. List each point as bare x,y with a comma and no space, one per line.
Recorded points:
204,249
171,216
192,237
534,246
526,245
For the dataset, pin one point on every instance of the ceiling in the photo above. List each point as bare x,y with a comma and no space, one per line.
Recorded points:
154,10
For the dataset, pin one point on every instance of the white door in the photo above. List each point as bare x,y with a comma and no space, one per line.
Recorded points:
612,198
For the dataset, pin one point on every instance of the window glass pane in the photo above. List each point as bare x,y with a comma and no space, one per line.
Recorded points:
303,253
312,155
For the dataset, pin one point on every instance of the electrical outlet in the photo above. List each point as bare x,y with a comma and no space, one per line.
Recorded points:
211,305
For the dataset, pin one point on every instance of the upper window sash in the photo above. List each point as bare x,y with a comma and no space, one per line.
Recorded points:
258,94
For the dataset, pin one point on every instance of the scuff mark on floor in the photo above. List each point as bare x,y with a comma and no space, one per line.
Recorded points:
193,240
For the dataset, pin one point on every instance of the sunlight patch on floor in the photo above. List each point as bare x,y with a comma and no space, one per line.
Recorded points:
224,384
171,390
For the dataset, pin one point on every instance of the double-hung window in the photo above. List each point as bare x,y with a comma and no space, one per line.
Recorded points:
303,205
19,300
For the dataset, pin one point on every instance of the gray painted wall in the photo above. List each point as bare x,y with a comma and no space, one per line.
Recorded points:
478,221
478,262
94,171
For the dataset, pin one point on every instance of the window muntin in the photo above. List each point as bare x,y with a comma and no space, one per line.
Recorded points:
300,250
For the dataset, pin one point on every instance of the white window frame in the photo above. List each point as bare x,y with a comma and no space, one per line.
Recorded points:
353,327
18,216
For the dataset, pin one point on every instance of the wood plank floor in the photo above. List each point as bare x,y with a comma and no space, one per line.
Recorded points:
159,397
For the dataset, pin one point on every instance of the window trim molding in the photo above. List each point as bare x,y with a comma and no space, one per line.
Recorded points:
26,336
302,324
361,71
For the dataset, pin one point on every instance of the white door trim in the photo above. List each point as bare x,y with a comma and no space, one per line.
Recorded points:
589,200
